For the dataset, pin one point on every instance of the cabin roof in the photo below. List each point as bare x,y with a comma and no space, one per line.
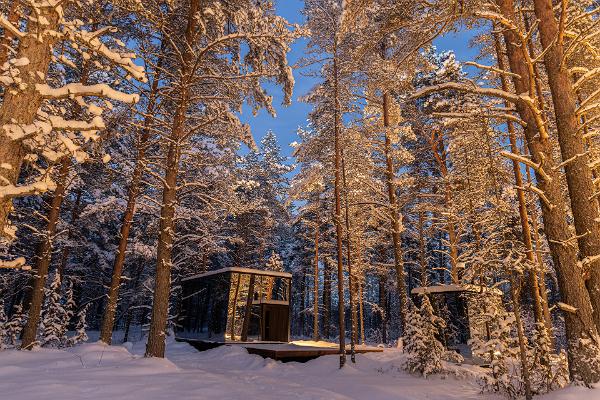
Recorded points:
240,270
453,288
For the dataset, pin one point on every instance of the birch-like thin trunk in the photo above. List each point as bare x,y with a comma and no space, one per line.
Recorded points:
316,278
521,336
383,306
44,255
394,213
338,210
64,256
422,256
326,298
351,278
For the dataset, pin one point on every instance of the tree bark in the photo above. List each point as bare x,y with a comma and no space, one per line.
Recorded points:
573,150
316,278
64,257
7,39
338,212
327,299
580,327
44,254
20,106
162,288
521,336
351,277
108,319
422,262
523,215
394,214
383,307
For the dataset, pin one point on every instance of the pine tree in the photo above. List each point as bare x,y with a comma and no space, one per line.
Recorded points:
15,325
549,370
80,329
274,263
69,311
53,316
424,351
497,347
3,326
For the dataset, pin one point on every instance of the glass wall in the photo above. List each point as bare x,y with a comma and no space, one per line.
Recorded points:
234,306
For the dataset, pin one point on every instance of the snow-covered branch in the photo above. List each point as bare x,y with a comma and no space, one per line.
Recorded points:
73,90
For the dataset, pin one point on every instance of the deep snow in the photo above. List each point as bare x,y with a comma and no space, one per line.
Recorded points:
96,371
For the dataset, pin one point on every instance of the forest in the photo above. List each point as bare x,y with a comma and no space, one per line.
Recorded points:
425,200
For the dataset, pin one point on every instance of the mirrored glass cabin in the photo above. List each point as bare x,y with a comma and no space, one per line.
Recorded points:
460,307
235,305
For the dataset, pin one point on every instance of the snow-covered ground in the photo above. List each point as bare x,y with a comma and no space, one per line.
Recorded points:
95,371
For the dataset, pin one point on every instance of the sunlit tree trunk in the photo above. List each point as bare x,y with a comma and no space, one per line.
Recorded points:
351,273
580,327
394,213
316,277
7,39
326,298
338,210
44,255
521,337
523,215
162,288
572,147
20,107
108,319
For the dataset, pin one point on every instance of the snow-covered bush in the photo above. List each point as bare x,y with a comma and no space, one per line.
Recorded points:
14,326
453,357
549,371
424,350
54,316
80,330
499,348
274,263
3,324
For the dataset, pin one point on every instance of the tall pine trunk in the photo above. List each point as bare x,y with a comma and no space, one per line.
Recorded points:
44,255
394,213
573,150
523,215
108,319
316,278
64,256
21,106
326,298
351,277
338,211
580,327
162,287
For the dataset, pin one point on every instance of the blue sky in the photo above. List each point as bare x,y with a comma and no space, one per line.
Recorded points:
291,117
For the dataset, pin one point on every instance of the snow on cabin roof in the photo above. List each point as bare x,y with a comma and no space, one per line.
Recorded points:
240,270
453,288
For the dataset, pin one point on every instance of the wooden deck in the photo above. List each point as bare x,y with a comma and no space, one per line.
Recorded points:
284,352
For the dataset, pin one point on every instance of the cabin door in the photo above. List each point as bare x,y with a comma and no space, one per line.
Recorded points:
275,322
